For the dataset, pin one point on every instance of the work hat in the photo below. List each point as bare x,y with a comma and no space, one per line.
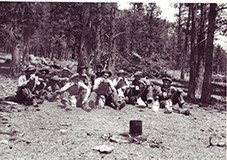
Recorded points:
30,69
46,70
55,66
98,66
138,74
74,76
121,72
167,79
66,69
83,67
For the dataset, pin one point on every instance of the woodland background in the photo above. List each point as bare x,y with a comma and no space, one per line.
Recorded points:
132,39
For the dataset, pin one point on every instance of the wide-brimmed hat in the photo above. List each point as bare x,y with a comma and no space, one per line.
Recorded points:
66,69
74,76
55,66
98,66
46,70
30,69
121,72
138,74
107,71
83,67
167,79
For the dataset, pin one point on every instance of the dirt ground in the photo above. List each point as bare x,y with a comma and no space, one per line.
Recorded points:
53,133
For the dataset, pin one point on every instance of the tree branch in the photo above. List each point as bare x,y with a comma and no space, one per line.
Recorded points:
107,36
219,9
115,36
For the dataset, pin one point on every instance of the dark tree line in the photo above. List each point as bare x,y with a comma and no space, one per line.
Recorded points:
133,39
199,24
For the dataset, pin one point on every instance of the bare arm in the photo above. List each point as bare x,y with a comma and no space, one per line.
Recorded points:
66,86
96,83
88,90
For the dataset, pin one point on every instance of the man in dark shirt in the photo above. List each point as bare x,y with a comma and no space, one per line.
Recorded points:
141,91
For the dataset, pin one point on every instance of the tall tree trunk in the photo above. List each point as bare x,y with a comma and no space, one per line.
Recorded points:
201,50
206,89
51,55
113,49
97,58
179,37
73,52
82,55
192,82
25,58
185,50
15,65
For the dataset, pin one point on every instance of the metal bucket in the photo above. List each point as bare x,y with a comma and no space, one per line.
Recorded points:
135,127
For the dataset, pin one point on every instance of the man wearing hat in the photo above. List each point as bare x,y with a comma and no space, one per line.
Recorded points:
56,80
26,87
41,89
99,70
75,93
169,96
121,83
83,72
103,92
141,91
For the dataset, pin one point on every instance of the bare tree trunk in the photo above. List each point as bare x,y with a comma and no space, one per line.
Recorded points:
206,90
51,55
82,55
185,50
113,49
201,51
25,59
192,80
15,66
98,53
179,37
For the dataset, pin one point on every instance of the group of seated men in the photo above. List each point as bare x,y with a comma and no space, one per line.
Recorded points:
97,90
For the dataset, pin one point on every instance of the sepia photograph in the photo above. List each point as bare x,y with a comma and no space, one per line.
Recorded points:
120,80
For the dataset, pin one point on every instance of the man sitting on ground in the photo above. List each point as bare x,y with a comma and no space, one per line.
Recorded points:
121,84
104,92
169,96
56,82
141,92
99,70
75,93
83,72
40,89
26,87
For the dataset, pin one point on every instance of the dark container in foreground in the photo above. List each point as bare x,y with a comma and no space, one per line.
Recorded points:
135,127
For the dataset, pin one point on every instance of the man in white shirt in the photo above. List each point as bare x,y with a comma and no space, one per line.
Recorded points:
171,97
121,84
141,91
26,86
75,93
103,92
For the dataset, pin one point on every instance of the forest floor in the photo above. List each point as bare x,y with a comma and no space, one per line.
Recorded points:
52,133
